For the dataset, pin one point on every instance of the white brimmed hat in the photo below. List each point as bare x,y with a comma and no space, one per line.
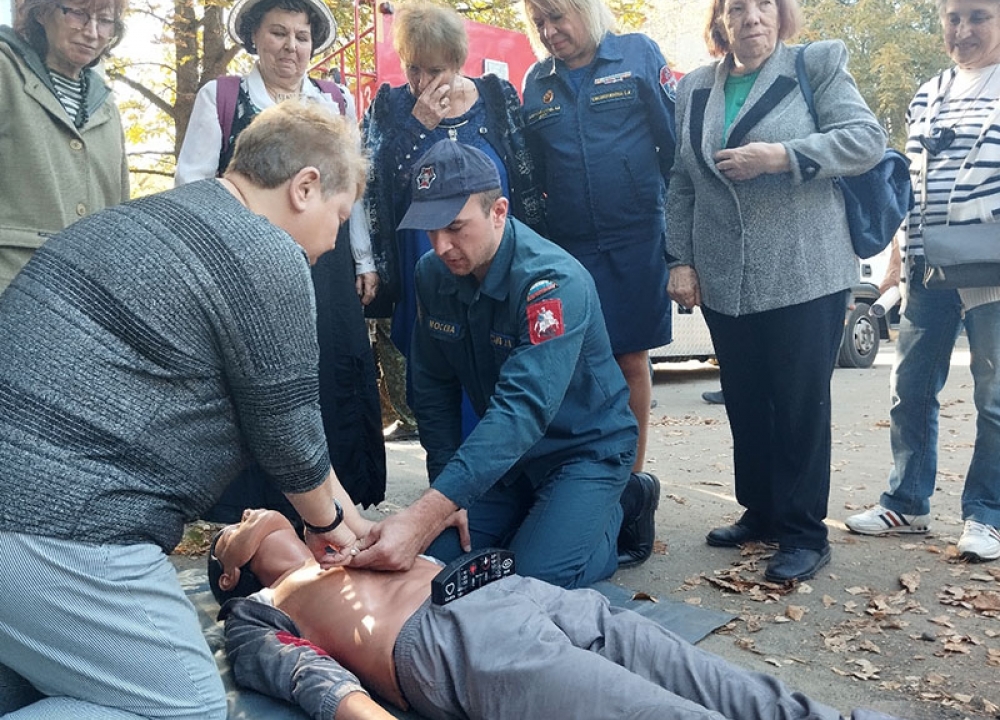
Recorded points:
320,43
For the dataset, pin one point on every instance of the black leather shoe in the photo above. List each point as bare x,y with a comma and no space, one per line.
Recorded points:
714,397
635,539
735,535
795,564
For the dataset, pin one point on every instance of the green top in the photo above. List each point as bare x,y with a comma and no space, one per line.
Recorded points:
737,89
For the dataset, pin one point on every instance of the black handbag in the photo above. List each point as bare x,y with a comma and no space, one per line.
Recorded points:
959,256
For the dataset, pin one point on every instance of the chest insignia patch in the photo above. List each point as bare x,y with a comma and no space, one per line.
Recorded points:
426,177
547,97
545,320
616,78
540,288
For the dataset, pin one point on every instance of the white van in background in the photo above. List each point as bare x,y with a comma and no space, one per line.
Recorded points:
862,331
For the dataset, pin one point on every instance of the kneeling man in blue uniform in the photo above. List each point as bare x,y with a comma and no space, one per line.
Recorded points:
515,321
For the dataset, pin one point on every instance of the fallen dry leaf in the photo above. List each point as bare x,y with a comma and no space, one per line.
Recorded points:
795,612
910,581
869,646
987,601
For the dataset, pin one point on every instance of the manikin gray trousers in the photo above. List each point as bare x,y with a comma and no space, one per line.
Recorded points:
520,648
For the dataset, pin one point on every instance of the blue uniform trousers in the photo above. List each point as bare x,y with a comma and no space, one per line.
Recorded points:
564,531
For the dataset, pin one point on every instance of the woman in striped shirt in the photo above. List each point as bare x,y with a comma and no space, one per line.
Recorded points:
954,138
61,137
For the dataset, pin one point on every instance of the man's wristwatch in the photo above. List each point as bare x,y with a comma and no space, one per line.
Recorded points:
327,528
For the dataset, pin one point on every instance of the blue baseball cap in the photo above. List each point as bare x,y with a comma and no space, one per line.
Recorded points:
443,180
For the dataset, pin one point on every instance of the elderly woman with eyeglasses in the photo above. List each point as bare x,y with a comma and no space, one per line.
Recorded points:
61,137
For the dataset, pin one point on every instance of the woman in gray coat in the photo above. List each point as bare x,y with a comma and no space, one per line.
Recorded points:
760,241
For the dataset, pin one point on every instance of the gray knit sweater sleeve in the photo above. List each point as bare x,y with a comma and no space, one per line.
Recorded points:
146,353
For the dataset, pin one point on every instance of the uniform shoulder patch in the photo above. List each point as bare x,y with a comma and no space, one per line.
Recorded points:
668,81
540,288
545,320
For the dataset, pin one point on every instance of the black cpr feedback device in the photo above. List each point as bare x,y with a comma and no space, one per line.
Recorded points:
469,572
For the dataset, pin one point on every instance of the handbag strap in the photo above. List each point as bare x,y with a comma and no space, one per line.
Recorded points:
923,187
804,86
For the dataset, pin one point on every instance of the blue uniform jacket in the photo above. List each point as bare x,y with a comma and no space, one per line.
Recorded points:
530,348
603,154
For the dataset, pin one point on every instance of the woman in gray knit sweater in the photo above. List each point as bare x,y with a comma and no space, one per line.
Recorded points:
146,354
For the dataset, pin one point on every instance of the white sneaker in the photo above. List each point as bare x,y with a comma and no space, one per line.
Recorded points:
881,521
979,542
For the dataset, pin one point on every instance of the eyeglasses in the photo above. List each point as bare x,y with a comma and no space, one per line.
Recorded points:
79,19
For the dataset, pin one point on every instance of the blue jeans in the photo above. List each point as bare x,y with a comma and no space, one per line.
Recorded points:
927,333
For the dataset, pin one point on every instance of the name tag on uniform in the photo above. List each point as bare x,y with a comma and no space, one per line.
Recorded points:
444,329
543,113
617,95
501,341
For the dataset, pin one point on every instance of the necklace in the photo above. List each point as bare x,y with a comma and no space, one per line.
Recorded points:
453,128
280,95
941,137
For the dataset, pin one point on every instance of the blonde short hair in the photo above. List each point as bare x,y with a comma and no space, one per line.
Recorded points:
293,135
422,30
789,24
596,17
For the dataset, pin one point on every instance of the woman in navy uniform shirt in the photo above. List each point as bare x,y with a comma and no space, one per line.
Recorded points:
599,114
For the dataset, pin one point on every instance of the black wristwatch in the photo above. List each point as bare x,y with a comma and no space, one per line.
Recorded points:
327,528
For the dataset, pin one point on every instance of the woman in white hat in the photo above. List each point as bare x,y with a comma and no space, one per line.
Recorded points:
284,35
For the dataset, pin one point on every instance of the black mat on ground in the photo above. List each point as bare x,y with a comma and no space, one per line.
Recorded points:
690,622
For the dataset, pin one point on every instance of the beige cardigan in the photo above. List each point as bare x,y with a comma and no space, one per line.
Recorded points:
52,174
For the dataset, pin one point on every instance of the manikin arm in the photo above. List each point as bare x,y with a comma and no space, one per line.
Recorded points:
269,655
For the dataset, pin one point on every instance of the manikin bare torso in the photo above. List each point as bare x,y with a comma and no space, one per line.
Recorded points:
355,615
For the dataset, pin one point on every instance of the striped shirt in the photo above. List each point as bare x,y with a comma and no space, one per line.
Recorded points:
70,93
956,116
